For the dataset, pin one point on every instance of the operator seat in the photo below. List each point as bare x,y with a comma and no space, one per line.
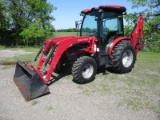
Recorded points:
111,35
106,39
109,38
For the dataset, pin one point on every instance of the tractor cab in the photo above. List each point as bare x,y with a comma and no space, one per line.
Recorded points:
104,22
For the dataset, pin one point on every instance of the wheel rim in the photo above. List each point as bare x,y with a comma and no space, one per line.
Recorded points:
87,71
127,58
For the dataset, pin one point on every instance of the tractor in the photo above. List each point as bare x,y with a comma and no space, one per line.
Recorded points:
101,43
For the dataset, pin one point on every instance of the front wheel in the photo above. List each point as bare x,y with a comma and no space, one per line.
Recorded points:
123,57
84,70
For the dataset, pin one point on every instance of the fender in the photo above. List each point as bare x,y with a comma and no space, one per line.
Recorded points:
114,42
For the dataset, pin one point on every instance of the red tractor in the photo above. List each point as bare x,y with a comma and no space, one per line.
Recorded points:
101,43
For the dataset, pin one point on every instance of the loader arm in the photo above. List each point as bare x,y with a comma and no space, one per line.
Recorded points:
137,34
53,51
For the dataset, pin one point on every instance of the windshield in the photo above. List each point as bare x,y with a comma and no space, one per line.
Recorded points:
110,24
89,25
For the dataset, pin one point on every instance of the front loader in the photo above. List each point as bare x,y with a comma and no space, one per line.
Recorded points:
101,44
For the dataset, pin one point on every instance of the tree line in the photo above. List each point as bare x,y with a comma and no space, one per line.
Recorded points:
25,22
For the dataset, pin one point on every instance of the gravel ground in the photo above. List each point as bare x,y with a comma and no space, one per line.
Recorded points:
66,102
11,53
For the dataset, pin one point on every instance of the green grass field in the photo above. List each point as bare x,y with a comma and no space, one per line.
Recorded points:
137,90
59,34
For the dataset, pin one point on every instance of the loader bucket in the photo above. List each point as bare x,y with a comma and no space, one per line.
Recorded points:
29,82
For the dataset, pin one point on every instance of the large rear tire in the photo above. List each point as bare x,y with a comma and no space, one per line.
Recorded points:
123,57
84,70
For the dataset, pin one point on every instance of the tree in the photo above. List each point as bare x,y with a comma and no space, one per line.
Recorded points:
151,9
4,22
130,19
34,32
23,15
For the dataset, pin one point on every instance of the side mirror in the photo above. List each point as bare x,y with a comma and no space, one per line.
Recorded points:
125,13
76,24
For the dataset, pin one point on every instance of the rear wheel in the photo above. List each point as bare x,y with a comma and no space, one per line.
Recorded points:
84,70
123,57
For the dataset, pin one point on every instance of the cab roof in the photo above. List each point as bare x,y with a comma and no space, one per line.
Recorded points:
115,8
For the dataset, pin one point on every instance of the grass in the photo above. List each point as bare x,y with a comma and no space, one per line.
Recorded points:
2,47
148,56
6,67
138,90
26,57
49,108
59,34
35,102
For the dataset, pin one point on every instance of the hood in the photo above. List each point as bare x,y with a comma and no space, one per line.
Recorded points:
69,38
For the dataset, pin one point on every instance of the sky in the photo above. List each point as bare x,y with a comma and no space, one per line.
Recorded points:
68,11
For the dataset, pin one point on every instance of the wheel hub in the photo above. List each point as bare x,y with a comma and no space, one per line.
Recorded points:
127,58
87,71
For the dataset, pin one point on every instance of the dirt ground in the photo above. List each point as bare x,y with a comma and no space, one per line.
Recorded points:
66,102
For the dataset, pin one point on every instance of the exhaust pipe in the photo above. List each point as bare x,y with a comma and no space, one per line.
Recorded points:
29,82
